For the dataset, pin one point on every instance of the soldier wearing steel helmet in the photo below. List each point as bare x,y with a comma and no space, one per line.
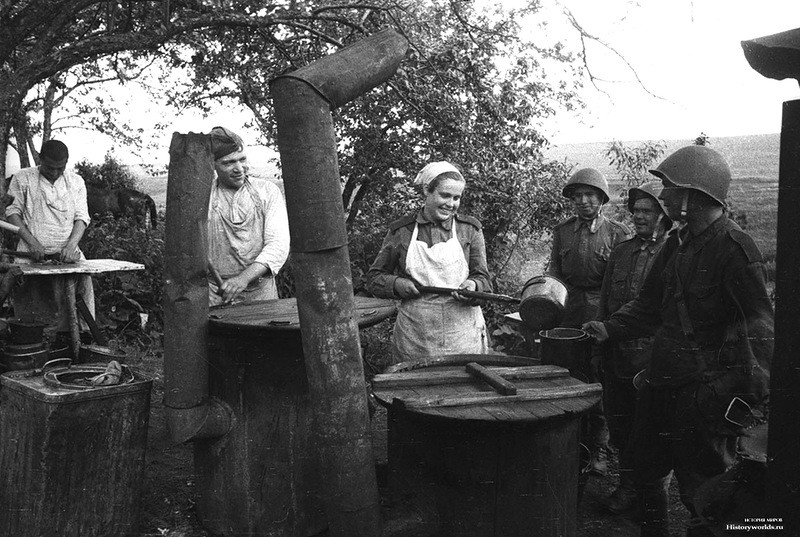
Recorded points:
705,301
627,267
581,247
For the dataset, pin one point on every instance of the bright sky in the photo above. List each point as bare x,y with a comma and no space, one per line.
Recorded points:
689,53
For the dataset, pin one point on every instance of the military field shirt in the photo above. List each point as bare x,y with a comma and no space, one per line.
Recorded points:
727,324
390,263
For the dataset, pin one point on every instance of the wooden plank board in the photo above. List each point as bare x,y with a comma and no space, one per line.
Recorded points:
282,314
88,266
479,398
501,385
441,376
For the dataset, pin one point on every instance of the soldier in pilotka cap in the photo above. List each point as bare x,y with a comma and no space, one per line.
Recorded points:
705,300
248,228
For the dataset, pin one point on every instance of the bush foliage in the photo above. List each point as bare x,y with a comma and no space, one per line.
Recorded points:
122,296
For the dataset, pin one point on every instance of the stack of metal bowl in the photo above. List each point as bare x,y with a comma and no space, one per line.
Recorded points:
26,348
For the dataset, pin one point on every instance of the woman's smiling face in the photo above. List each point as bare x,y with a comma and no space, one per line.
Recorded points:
443,202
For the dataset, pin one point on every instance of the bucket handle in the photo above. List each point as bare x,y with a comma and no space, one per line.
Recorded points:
52,363
541,278
48,365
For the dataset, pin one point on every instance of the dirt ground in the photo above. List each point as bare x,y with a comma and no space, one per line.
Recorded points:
168,508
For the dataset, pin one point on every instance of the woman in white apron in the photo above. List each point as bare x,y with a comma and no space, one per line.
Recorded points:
435,247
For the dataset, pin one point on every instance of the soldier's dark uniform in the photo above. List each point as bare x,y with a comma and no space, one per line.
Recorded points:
706,303
630,262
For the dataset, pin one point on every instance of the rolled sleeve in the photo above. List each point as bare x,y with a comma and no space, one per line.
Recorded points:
15,189
77,187
276,229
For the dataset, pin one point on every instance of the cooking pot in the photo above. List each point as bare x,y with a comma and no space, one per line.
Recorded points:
31,356
567,347
99,353
542,303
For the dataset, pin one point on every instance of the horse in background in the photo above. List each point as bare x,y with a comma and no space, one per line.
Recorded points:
122,202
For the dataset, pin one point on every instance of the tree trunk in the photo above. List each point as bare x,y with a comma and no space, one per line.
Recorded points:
21,135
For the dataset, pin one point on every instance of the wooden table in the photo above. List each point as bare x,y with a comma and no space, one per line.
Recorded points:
68,274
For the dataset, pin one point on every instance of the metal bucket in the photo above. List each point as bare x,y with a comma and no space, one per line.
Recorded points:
567,347
18,357
543,300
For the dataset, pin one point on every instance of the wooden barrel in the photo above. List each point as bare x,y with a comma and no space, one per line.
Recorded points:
485,445
542,303
263,477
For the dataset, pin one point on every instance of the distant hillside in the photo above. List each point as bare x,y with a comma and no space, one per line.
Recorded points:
749,156
753,194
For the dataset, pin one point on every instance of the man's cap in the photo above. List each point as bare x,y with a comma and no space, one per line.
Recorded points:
55,151
224,142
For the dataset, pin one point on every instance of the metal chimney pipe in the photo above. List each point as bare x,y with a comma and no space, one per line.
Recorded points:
307,142
190,413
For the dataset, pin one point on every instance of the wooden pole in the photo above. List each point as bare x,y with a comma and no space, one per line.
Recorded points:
783,449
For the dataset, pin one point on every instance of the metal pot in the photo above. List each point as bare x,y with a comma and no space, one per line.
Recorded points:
17,357
543,300
567,347
98,353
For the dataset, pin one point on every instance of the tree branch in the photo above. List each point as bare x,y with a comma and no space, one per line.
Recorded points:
586,35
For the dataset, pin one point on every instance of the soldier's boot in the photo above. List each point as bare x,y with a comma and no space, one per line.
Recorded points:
598,462
598,438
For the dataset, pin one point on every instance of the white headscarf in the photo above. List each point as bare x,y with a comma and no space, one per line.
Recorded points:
433,170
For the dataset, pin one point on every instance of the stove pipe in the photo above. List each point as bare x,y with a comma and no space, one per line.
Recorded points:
303,101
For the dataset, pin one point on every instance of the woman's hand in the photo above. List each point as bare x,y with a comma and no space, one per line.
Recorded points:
467,285
405,288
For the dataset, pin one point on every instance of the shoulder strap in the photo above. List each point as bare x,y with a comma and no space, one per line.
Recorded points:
680,302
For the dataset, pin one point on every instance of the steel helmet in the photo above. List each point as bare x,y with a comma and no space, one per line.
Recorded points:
588,177
697,167
652,190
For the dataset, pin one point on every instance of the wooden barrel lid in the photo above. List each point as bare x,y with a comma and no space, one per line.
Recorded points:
281,314
463,392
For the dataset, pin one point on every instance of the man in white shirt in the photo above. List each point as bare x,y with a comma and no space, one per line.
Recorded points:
50,209
248,229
